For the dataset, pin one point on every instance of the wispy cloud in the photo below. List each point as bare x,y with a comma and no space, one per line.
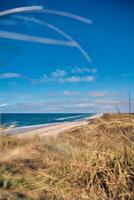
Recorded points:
66,79
59,73
70,93
104,93
82,70
48,106
12,75
108,102
3,105
67,105
63,76
9,75
98,93
75,79
85,105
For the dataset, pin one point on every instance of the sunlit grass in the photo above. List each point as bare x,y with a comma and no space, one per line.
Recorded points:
94,161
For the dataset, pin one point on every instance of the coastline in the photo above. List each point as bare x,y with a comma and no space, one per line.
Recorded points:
53,130
12,125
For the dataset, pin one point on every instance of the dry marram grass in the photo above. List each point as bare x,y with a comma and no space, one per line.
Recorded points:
90,162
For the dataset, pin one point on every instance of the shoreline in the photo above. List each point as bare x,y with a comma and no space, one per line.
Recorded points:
39,126
53,130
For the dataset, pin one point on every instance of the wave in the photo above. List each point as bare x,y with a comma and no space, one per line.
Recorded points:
71,117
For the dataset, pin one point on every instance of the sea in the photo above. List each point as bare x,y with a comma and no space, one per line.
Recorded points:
40,119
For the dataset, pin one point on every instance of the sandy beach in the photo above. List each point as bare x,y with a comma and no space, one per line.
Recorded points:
56,129
53,130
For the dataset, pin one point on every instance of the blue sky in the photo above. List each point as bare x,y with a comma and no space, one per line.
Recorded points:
88,67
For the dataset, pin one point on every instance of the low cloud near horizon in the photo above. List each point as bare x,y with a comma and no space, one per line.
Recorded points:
69,104
59,75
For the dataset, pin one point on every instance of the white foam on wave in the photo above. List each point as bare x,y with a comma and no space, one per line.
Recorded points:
71,117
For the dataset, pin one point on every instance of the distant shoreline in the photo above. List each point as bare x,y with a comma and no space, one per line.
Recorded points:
21,129
53,129
29,120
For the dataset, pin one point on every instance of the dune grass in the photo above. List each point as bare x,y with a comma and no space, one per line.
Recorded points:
90,162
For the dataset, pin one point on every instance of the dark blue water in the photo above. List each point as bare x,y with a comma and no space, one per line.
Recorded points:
40,119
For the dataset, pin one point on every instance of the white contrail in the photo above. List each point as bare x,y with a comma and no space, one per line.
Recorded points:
52,12
29,38
67,14
20,9
36,39
61,32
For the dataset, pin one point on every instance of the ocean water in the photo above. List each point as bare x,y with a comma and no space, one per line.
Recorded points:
34,119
